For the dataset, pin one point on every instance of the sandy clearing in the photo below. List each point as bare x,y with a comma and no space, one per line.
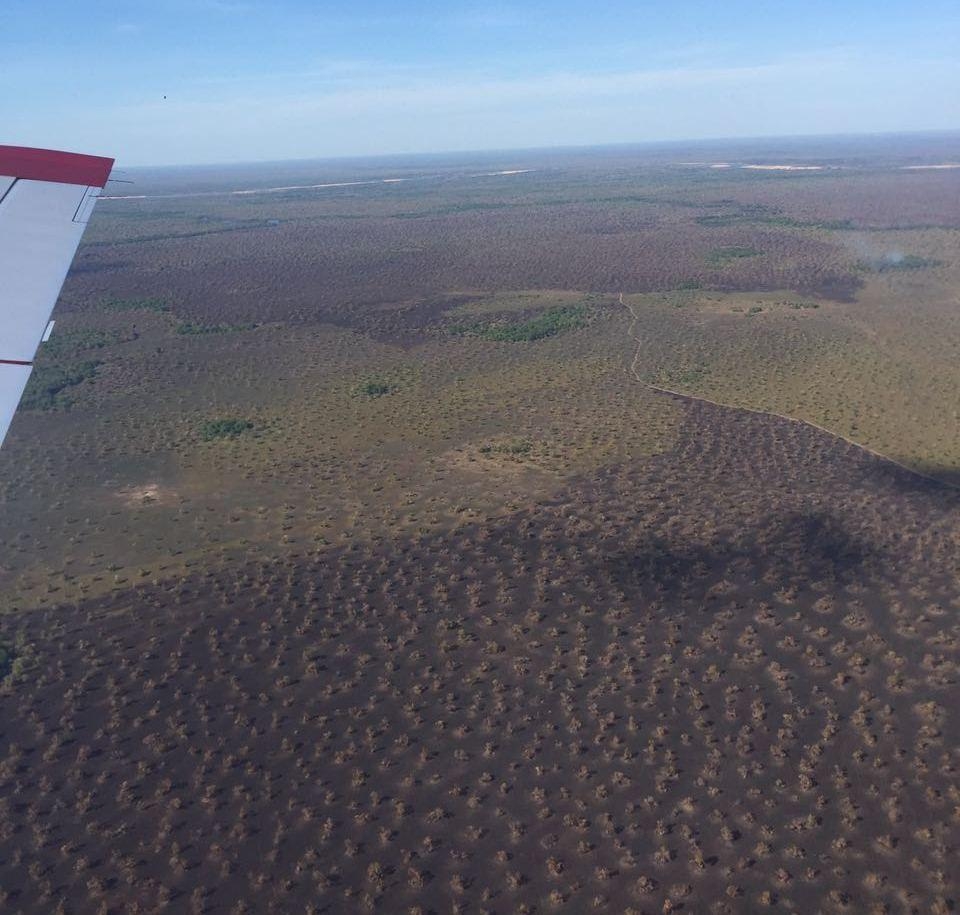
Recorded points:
785,168
261,190
145,494
245,191
493,465
308,187
509,171
299,187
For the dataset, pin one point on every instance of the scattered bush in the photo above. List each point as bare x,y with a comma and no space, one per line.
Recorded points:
147,304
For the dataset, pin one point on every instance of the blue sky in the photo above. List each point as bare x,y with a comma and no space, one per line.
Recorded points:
248,80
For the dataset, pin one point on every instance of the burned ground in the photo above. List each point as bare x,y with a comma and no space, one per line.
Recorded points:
719,679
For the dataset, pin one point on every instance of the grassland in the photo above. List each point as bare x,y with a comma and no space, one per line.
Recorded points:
882,370
362,572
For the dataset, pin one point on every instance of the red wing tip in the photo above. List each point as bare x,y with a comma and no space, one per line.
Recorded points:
54,165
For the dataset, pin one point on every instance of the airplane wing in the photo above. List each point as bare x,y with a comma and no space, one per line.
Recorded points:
46,198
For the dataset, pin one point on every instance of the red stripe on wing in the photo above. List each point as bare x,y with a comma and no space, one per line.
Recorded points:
53,165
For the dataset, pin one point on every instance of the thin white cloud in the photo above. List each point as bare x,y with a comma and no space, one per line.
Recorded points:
351,107
357,87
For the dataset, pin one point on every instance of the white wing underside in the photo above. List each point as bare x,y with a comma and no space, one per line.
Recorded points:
41,222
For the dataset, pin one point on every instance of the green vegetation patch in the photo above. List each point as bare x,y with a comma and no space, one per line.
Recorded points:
897,261
681,297
680,377
516,448
759,216
731,253
224,428
73,341
16,659
553,321
374,387
189,329
147,304
48,384
7,656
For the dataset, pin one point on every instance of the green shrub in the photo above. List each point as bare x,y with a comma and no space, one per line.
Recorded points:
516,447
224,428
16,659
374,387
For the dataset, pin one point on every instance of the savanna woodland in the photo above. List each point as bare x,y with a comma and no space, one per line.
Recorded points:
550,532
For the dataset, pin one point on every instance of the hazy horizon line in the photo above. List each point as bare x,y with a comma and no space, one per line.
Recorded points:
494,150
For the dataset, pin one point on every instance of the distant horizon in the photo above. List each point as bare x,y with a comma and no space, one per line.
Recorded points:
560,148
